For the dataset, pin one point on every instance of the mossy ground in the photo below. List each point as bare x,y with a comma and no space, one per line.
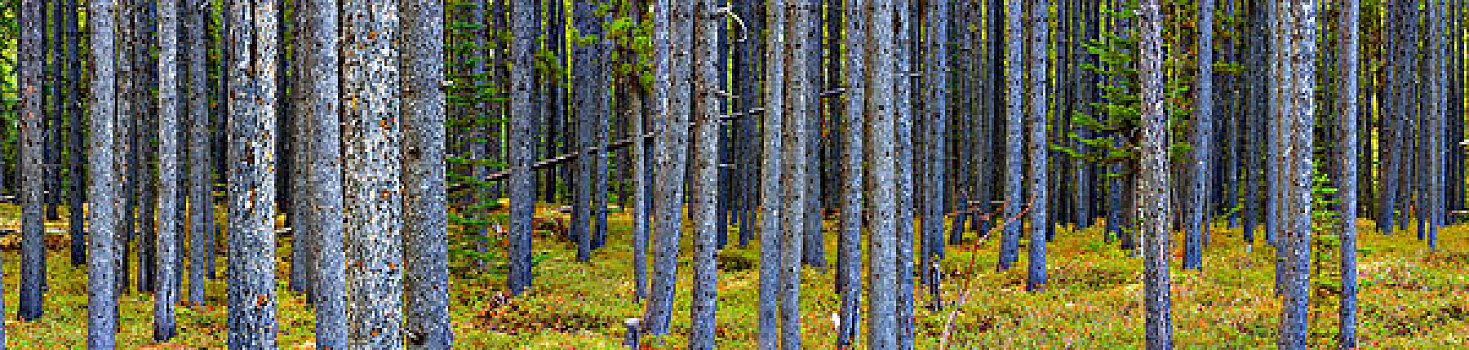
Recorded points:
1410,297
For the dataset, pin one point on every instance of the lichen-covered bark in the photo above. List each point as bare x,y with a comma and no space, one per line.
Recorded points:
936,79
1153,181
1347,75
372,184
1301,59
793,159
101,182
164,317
1203,137
671,153
298,215
201,208
882,186
319,60
252,176
583,82
425,201
905,36
854,123
126,104
1039,147
771,176
1015,133
522,139
75,160
31,60
705,182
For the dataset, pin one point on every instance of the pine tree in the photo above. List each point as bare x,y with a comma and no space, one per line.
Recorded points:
425,203
1153,181
164,317
252,178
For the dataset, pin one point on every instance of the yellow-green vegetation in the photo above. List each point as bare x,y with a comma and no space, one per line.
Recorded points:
1410,297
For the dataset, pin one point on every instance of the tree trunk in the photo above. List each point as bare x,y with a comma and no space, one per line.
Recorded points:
705,187
1203,123
771,174
936,74
671,156
252,179
522,139
1015,131
30,57
1039,148
1300,18
319,22
882,184
201,208
425,211
854,125
75,161
1347,76
164,318
1153,184
101,286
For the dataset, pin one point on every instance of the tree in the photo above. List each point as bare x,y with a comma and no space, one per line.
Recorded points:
252,178
853,125
585,87
1300,19
1153,184
671,153
771,175
1039,151
936,76
102,291
705,184
882,186
75,160
201,208
793,158
319,22
1347,76
372,187
639,154
164,318
1198,214
425,200
1014,131
1437,119
522,139
30,57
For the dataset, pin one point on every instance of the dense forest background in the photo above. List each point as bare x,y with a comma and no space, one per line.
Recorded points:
745,173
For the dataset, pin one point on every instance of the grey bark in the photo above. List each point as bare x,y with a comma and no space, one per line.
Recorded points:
771,176
522,139
936,76
1347,75
882,186
813,250
425,211
793,159
1301,58
583,77
318,57
1014,131
102,291
75,160
853,123
201,208
372,171
705,183
299,212
1153,181
1203,123
164,316
1437,119
252,178
640,195
30,56
905,35
1039,148
671,154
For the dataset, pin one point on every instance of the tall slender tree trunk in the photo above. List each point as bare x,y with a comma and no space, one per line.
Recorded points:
319,59
854,124
75,156
705,185
101,182
372,173
1039,147
522,139
906,38
252,178
425,200
1153,181
793,159
1203,124
771,173
1014,131
882,184
201,208
1301,23
1437,117
164,318
1347,75
936,74
671,153
30,56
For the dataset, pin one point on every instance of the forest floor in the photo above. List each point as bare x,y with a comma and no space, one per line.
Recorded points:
1410,297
